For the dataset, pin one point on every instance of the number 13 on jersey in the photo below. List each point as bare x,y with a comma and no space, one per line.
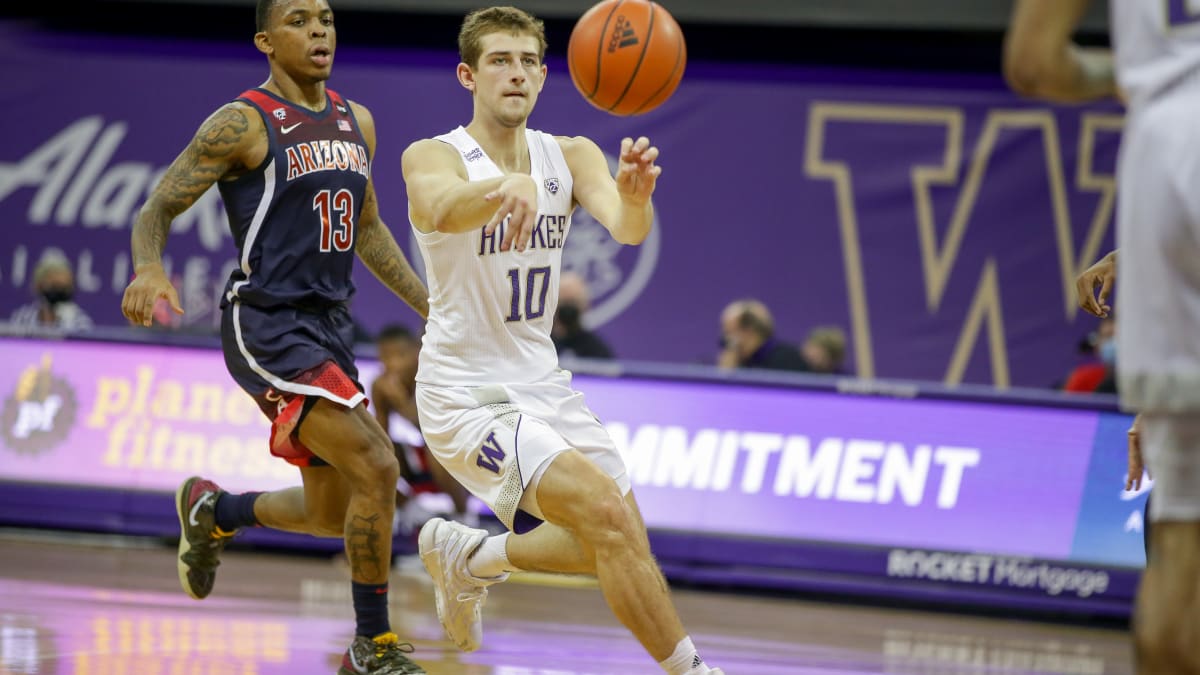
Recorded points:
528,293
337,219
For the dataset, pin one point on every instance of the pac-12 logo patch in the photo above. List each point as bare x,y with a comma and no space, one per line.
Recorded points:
40,413
280,113
551,185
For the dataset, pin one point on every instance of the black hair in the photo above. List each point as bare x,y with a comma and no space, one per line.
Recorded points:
396,332
262,13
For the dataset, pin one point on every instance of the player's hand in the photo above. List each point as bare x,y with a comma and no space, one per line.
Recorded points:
518,202
1102,275
1133,479
149,284
636,172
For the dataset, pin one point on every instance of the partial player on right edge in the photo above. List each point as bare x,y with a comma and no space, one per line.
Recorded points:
1156,63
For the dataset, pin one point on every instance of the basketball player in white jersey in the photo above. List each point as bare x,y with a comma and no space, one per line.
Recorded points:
1155,65
491,205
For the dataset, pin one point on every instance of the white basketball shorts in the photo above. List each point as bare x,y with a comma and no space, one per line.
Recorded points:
497,439
1171,444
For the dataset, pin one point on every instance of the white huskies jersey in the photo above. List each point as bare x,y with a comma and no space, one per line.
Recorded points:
1157,44
490,311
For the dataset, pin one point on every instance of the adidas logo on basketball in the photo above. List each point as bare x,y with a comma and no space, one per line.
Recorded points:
623,35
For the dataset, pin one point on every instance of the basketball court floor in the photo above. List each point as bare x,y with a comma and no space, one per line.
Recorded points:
90,605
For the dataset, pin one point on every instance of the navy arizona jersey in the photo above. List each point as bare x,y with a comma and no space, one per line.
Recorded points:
294,216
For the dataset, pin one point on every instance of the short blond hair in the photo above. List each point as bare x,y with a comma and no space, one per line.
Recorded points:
833,340
495,20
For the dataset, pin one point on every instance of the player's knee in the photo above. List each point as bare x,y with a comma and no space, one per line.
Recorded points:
374,468
383,467
609,522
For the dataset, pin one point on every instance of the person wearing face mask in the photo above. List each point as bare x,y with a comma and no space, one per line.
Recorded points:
54,309
568,333
1096,375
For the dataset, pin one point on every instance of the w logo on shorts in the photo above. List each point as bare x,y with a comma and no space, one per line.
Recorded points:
490,454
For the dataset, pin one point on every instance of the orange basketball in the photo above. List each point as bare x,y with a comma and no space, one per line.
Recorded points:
626,56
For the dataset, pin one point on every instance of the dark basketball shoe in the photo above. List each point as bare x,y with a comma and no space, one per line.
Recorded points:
383,655
200,540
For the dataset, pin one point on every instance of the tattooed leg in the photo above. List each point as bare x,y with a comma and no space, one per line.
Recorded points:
359,491
368,545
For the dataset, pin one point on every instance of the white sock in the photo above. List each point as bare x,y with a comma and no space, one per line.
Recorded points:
490,560
684,660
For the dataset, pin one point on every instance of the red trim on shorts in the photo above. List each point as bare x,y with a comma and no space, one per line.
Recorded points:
285,442
330,377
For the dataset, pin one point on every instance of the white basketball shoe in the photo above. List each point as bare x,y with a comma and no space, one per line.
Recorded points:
445,546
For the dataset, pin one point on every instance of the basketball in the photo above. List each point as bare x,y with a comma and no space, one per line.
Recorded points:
626,56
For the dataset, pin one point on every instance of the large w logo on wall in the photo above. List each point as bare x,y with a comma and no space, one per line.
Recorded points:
971,231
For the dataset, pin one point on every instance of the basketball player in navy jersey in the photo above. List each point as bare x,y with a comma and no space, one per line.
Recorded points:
491,206
292,160
1155,68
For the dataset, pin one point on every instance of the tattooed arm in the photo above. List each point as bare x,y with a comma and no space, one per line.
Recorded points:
382,255
376,246
226,143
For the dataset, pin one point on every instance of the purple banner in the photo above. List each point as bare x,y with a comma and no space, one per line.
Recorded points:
806,465
706,458
130,416
940,222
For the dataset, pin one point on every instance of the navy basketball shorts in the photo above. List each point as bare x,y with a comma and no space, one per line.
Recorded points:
287,359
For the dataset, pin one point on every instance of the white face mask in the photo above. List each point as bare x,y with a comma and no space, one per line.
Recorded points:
1108,352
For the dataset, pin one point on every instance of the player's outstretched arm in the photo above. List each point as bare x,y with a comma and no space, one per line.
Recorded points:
442,199
622,203
1103,276
220,146
375,245
1041,61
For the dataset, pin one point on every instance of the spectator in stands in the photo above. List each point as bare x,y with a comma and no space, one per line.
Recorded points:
824,350
1098,369
393,395
748,340
53,310
568,332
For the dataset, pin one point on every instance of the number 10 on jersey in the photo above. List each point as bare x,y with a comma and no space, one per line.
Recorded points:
533,297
